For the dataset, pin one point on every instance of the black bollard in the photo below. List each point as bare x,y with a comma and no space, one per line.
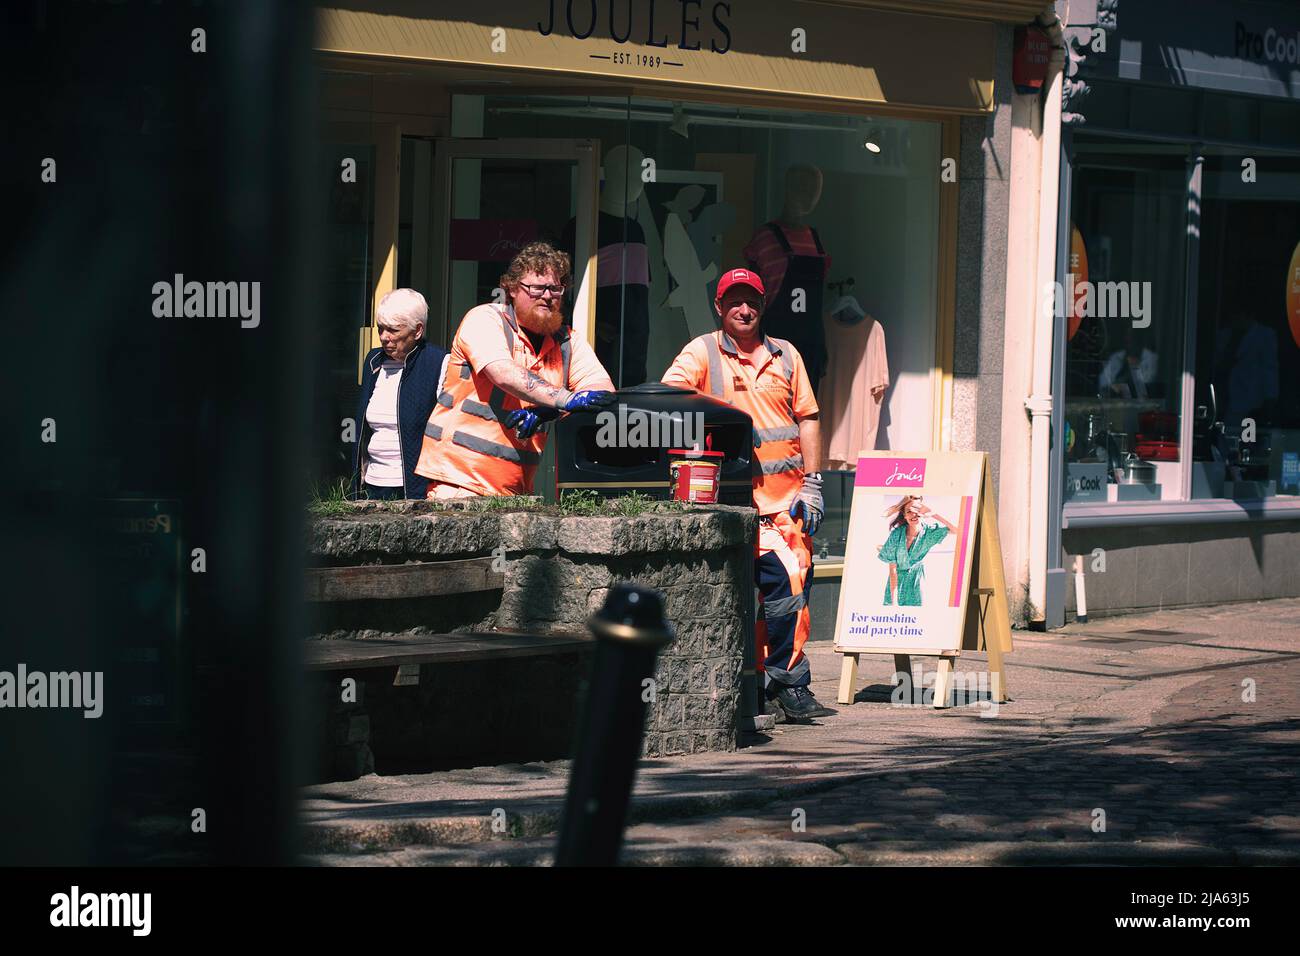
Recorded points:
630,629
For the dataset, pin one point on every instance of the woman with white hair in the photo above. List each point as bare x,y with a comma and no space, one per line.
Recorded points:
399,385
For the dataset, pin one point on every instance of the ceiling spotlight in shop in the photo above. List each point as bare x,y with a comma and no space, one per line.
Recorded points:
680,121
873,134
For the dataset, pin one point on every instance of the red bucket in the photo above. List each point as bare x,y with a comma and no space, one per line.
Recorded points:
694,474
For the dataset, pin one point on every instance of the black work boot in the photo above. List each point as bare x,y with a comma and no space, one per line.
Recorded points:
799,703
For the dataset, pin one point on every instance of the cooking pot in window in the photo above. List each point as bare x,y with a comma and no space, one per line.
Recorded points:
1135,471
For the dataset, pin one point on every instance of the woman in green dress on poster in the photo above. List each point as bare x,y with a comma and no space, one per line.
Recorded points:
905,549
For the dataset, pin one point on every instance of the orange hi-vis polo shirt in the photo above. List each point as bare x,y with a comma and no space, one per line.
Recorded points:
776,394
465,442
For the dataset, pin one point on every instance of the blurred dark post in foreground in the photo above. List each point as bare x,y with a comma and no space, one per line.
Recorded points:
630,630
157,144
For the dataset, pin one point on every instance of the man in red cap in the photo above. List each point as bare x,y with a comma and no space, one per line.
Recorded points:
765,378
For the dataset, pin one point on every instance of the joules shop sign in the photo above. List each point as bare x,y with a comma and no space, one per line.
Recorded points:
656,23
833,50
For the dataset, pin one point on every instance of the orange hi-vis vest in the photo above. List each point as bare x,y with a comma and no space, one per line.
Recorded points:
775,395
465,442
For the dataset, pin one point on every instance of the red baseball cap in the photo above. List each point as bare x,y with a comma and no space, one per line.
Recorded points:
739,277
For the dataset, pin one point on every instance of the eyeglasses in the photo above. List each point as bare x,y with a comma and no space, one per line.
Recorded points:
537,291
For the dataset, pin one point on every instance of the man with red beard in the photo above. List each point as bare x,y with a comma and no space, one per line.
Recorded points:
512,368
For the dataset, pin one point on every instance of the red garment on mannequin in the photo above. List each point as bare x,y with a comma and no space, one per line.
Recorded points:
765,256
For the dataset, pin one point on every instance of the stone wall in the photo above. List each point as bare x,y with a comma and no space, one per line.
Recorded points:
1150,567
558,569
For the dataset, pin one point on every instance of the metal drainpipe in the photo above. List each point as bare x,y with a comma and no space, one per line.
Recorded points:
1039,403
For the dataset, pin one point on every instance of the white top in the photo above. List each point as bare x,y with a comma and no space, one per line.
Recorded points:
384,452
1143,374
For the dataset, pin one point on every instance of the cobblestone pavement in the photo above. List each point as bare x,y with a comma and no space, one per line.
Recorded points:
1206,784
1161,738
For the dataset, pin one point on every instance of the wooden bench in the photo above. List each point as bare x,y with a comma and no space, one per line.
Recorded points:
425,579
398,658
394,581
438,649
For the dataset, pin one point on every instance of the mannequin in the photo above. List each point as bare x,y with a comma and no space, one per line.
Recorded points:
622,270
788,254
681,256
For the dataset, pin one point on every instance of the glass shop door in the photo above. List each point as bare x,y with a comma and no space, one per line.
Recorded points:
491,197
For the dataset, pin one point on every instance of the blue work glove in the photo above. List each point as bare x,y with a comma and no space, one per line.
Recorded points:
526,421
809,504
582,401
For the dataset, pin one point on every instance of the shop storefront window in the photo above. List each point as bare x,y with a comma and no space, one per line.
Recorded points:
345,224
414,215
689,190
1125,355
1247,436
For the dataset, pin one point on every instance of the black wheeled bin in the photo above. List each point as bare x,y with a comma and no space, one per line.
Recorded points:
584,460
